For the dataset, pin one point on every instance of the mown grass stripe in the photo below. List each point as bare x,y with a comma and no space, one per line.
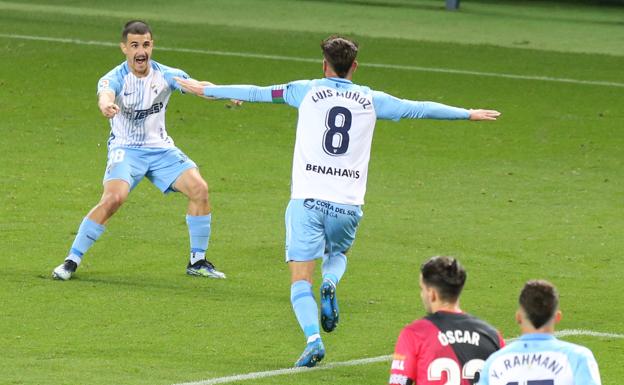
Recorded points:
251,55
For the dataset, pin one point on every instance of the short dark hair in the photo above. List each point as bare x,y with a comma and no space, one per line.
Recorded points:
446,275
340,53
540,300
135,27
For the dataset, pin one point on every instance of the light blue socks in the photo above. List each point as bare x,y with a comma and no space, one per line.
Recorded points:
305,308
334,267
88,232
199,232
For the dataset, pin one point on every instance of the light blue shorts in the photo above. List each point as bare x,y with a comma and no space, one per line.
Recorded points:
162,166
316,227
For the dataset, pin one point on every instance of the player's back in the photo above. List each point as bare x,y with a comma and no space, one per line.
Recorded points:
334,135
443,348
541,359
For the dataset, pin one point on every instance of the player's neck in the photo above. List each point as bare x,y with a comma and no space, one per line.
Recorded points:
550,329
141,74
446,307
331,74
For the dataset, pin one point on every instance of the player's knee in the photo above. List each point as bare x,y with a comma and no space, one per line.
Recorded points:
113,200
199,190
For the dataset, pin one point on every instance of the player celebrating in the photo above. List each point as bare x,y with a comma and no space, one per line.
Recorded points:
537,357
134,97
329,172
447,346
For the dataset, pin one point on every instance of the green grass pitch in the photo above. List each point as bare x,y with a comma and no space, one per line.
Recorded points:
537,194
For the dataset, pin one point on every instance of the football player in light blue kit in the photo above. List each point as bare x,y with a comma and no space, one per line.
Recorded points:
134,97
537,357
330,166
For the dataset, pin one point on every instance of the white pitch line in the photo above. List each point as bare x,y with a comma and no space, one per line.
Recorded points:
364,361
590,333
281,372
251,55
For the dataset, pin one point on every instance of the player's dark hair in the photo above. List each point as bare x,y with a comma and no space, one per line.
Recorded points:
540,300
135,27
340,53
446,275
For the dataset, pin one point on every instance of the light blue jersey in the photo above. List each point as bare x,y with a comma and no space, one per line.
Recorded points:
335,131
142,102
541,359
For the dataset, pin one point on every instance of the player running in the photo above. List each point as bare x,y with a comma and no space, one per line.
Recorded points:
447,346
330,166
537,357
134,97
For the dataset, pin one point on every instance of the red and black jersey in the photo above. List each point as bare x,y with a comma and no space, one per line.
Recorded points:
443,348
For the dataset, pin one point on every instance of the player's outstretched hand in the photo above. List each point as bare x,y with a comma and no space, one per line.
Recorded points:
197,87
484,114
109,109
191,86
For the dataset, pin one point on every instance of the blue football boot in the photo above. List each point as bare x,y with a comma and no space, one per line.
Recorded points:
312,355
329,306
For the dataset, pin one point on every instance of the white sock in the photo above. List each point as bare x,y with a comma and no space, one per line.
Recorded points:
197,256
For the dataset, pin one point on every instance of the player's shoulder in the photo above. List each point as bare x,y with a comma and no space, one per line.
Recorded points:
573,349
114,78
480,322
510,348
163,68
119,71
299,85
422,326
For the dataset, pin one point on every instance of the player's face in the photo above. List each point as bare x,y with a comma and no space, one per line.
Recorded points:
138,51
424,295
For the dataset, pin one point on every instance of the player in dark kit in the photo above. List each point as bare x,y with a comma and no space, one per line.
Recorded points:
448,346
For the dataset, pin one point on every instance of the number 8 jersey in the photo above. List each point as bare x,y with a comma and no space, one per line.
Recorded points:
443,348
335,131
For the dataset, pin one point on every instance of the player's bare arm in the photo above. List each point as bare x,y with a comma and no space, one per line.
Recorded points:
196,87
484,114
106,103
192,86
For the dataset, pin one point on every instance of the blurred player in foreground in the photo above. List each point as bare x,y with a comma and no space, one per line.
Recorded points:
134,97
447,346
538,357
329,172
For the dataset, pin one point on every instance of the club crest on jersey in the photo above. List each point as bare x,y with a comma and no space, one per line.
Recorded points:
458,337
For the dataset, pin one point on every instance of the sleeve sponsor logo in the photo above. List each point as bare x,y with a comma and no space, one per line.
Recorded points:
398,365
398,379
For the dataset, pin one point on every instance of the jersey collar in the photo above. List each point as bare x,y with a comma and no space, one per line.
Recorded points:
340,80
537,336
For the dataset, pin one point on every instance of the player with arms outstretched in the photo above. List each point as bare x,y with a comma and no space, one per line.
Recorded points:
448,346
134,97
330,165
538,357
